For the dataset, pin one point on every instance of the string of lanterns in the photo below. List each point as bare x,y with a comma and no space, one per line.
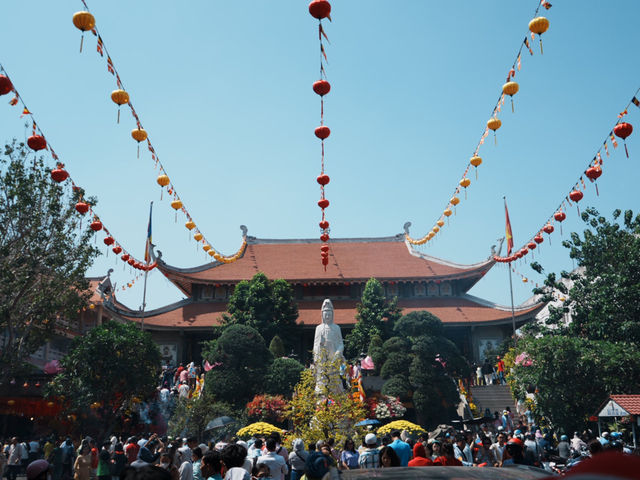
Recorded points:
37,142
321,9
537,26
85,21
621,129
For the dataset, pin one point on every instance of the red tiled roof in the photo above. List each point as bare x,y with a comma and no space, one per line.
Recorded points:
631,403
349,260
451,310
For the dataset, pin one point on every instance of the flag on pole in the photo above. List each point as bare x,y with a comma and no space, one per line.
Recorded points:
508,232
147,247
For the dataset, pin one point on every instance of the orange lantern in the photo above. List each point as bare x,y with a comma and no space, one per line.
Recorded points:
510,88
211,253
539,25
464,183
197,236
163,181
190,225
120,97
206,247
476,161
83,21
440,222
494,124
139,135
447,212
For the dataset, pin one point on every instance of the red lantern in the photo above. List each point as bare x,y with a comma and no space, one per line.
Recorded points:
324,237
59,174
96,225
322,132
321,87
131,261
117,249
125,257
82,207
323,179
623,130
325,261
5,85
593,173
524,251
576,195
108,241
320,9
538,239
324,203
324,224
532,245
324,248
548,229
36,142
559,216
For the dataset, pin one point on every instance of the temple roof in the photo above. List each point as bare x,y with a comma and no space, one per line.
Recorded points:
453,311
350,259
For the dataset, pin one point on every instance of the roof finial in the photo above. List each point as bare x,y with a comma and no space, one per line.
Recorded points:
406,228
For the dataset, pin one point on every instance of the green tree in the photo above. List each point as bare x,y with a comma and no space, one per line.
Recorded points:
376,316
282,377
242,360
276,347
108,367
266,305
595,352
192,415
44,255
421,363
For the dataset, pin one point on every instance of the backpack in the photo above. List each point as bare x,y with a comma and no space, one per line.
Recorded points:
316,465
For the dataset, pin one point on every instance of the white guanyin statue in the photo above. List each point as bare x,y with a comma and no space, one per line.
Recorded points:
328,348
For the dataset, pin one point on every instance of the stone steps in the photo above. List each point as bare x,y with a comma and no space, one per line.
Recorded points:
493,397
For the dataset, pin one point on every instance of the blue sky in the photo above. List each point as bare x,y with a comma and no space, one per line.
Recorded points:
224,90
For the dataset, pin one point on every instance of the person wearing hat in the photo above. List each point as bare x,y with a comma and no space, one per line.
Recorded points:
564,448
370,458
38,470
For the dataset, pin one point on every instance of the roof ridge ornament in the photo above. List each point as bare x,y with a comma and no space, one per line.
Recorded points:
493,247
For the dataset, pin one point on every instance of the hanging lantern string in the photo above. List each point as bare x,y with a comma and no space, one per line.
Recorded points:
102,50
516,64
17,99
596,161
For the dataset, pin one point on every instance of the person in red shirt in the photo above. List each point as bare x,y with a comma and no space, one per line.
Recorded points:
131,450
420,457
500,367
447,459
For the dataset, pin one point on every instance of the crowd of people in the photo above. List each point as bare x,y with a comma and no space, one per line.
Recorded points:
268,458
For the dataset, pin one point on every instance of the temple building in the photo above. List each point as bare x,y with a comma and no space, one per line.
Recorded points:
419,281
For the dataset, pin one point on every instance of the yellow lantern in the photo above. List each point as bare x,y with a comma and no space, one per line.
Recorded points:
176,204
435,229
119,97
430,235
510,88
139,135
211,252
476,161
539,25
447,213
11,403
494,124
524,280
440,223
92,306
198,236
190,225
83,21
454,201
206,247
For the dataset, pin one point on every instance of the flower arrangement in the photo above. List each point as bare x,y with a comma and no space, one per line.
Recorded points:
401,425
267,407
258,429
385,407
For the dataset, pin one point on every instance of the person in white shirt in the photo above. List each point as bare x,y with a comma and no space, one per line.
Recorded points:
498,447
14,459
183,390
277,466
186,467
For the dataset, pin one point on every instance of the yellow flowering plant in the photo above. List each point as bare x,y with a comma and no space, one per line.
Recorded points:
258,429
400,425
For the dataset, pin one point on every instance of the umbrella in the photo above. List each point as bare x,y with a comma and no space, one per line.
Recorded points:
219,422
368,421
